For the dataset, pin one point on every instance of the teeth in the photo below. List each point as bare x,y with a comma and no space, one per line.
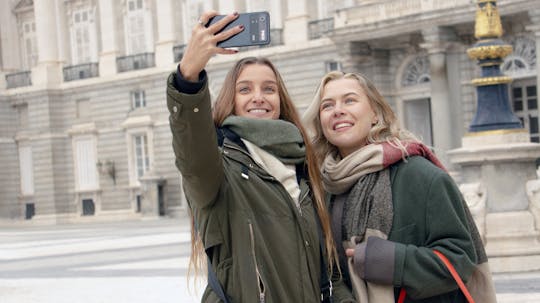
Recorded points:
340,125
257,110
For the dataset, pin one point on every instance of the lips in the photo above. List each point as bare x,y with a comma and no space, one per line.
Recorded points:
342,125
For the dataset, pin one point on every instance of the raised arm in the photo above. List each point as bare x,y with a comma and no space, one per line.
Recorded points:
188,100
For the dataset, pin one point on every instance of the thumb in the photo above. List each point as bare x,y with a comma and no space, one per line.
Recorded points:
349,252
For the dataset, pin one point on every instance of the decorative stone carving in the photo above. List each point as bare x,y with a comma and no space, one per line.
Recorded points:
533,193
475,195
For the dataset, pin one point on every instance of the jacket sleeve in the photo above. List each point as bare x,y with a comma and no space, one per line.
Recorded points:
195,143
415,266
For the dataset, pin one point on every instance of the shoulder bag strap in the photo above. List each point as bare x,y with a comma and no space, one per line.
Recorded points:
454,274
214,282
326,282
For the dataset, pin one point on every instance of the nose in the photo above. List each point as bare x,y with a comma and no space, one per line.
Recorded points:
338,110
258,96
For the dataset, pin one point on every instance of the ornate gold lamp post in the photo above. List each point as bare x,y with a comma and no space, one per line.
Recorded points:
493,110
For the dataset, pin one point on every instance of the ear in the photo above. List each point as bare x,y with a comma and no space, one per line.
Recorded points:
375,120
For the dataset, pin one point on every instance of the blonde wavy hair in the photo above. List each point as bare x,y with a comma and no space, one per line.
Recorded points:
386,129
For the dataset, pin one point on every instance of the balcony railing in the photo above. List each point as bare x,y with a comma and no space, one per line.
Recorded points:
134,62
19,79
276,37
319,28
178,52
80,71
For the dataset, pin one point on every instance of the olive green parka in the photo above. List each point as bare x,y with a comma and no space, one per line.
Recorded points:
263,247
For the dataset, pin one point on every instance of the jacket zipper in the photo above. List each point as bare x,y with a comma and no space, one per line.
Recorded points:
260,283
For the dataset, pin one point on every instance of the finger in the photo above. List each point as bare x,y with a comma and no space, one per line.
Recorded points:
349,252
226,51
219,25
206,16
228,33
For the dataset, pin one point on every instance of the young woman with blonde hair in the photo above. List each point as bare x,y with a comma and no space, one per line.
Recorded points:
392,202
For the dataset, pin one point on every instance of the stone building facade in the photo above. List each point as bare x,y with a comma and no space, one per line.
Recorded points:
84,131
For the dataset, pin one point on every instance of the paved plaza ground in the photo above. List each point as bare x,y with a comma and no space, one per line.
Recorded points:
131,262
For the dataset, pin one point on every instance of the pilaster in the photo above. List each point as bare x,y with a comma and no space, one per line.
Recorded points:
437,40
534,15
109,47
48,72
296,22
166,33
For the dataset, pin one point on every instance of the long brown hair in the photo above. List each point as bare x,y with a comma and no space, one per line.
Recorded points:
386,129
224,107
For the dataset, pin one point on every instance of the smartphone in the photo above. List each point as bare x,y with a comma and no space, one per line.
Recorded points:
256,30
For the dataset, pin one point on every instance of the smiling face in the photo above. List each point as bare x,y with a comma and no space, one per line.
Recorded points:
256,93
346,115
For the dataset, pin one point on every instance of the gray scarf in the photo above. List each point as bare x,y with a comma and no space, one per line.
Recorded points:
278,137
368,206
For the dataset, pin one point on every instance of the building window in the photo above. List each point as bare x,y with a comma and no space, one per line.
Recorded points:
522,61
138,99
83,37
418,119
30,44
88,207
138,28
85,164
524,96
333,66
142,160
26,167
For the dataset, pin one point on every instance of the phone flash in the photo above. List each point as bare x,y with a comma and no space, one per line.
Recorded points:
262,35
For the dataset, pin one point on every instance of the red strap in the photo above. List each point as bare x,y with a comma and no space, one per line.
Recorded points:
452,270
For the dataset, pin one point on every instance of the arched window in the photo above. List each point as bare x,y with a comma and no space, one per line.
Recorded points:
416,72
415,104
522,61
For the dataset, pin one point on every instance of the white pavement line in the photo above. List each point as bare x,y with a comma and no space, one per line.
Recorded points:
99,290
170,263
518,298
8,252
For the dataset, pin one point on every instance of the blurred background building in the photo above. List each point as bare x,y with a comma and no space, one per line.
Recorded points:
84,131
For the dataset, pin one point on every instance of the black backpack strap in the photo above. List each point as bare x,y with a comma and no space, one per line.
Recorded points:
326,282
336,212
214,282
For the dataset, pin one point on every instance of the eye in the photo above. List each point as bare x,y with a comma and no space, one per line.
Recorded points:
270,89
326,105
349,100
243,89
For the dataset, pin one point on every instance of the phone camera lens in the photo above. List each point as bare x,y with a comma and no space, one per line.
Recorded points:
262,18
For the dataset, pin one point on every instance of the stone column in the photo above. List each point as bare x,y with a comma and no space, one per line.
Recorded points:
48,72
437,40
534,15
296,22
109,45
353,54
166,33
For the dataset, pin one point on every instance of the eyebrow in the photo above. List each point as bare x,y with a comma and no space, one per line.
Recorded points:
344,95
264,82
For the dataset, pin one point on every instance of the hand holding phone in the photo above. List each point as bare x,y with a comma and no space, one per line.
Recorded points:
256,30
